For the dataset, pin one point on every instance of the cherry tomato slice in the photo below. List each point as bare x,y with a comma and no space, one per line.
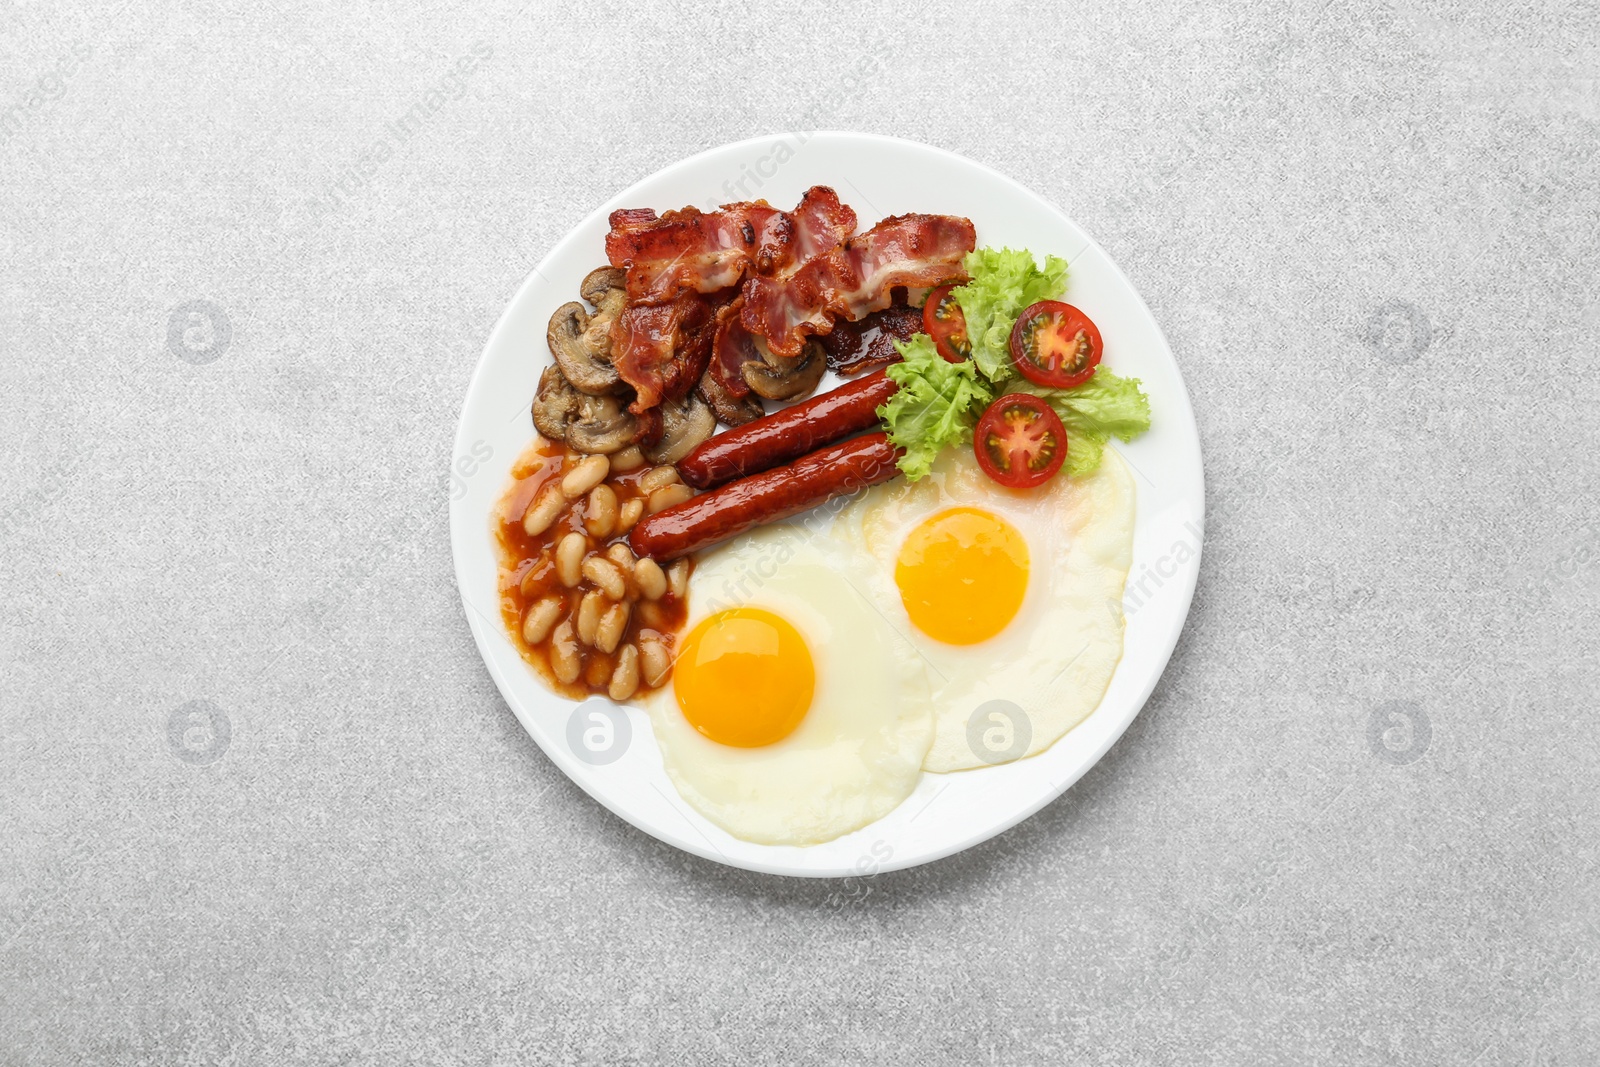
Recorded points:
1055,344
1019,441
944,321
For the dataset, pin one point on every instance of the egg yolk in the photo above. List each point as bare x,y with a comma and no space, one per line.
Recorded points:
744,677
962,574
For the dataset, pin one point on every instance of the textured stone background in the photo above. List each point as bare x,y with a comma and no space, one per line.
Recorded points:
1356,823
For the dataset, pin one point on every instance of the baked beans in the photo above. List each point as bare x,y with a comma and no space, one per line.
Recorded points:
581,609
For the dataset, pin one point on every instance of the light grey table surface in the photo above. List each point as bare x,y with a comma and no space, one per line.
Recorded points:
1355,824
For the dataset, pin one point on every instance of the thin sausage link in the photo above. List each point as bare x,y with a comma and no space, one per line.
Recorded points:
788,434
771,496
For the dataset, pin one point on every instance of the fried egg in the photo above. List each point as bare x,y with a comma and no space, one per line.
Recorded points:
795,712
1011,598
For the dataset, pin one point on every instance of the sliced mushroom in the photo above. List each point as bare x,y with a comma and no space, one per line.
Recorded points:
581,340
776,378
685,423
728,409
603,425
554,404
588,423
606,288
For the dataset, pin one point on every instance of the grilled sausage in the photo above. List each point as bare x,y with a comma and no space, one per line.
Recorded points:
766,497
787,434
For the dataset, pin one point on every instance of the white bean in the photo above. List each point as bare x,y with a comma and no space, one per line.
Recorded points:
658,477
629,459
544,510
536,624
612,625
607,575
668,495
654,657
565,660
589,609
631,512
601,518
678,577
652,580
621,555
587,473
569,558
625,679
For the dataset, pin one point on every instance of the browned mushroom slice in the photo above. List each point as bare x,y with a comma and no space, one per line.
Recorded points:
554,404
685,423
586,422
729,410
776,378
580,340
606,288
603,425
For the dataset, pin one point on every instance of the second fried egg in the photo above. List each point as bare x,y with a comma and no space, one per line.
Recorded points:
1011,598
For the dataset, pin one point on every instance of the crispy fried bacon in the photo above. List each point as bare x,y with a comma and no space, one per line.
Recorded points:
732,349
706,252
662,349
695,251
821,224
708,287
855,278
853,347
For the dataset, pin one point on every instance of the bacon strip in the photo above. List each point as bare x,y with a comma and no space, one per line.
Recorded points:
693,250
662,349
732,349
855,279
853,347
800,271
821,224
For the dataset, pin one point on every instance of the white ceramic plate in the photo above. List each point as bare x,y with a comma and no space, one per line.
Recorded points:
611,752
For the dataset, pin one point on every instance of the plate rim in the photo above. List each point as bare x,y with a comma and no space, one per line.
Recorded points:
1189,575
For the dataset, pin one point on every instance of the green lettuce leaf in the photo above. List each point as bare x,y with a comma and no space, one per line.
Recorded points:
1004,282
937,405
1105,406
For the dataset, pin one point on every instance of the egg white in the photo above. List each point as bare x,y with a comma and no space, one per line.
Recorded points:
859,750
1056,657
